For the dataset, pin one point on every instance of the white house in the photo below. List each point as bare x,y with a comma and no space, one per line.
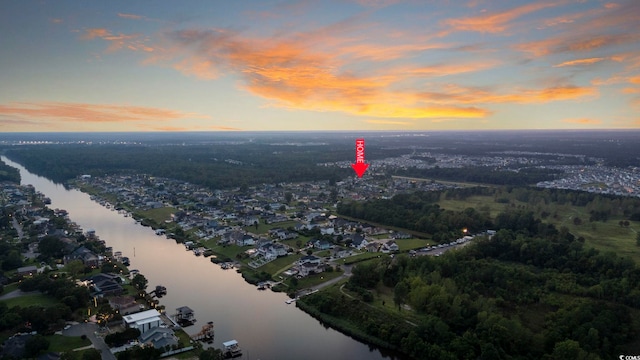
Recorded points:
143,321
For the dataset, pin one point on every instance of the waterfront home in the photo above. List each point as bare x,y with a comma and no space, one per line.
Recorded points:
104,284
143,321
310,268
271,251
124,304
86,256
309,259
246,240
159,338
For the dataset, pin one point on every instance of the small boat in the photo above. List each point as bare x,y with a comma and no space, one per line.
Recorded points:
231,349
290,301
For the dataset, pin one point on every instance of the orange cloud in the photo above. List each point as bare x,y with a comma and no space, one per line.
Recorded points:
198,67
583,121
576,43
496,22
90,34
117,42
635,80
91,113
130,16
448,69
387,122
630,90
466,95
191,128
294,75
580,62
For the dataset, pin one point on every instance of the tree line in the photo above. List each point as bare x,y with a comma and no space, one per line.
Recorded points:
9,173
530,291
213,166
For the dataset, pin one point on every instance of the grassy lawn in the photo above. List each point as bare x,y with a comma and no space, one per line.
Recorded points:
279,265
158,215
316,279
477,202
9,288
31,300
414,233
362,257
264,228
412,244
604,236
59,343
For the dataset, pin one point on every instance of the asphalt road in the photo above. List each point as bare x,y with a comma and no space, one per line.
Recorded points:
89,330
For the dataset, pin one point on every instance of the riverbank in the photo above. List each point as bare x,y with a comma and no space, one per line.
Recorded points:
315,305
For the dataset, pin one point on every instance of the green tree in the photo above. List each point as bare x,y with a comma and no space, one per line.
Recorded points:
91,354
288,197
139,282
51,247
638,239
12,261
400,293
570,349
35,345
75,268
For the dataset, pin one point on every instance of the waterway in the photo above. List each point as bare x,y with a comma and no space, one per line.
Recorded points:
264,326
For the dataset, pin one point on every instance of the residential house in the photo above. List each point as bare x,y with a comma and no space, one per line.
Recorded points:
309,264
358,241
309,259
85,255
339,252
159,338
143,321
271,251
105,284
400,235
390,246
310,268
27,270
124,304
327,230
322,244
232,237
373,247
246,240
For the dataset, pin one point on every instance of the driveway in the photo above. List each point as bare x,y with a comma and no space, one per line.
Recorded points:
89,330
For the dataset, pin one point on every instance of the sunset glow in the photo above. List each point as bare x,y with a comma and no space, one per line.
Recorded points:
300,65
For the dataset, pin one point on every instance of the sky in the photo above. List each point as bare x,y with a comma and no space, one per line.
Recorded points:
358,65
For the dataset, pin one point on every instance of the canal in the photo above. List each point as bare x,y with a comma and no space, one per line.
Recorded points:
263,324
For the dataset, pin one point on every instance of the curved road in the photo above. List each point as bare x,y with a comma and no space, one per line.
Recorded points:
89,329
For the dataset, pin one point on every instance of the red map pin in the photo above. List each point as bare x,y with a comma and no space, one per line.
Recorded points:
360,167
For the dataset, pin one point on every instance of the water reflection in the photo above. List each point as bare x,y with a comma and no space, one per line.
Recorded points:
263,324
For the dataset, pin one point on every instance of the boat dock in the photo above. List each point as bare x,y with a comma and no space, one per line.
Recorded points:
206,334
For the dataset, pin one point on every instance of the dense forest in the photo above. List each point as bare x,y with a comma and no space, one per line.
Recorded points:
8,173
531,291
419,211
213,166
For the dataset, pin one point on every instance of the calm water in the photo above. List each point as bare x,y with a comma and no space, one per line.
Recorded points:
263,324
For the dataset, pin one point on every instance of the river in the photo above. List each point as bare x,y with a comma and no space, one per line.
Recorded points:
264,326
